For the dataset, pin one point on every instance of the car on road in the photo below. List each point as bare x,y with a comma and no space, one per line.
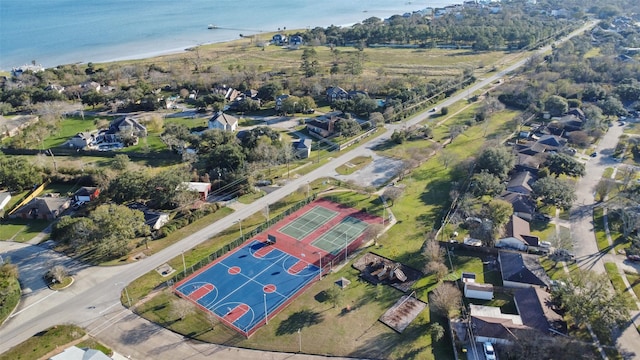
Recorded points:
594,154
489,351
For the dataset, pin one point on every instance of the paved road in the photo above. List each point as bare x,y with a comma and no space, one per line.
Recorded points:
581,218
97,290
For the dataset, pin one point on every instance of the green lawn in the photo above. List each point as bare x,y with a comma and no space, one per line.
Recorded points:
634,281
598,225
44,342
618,283
21,230
68,128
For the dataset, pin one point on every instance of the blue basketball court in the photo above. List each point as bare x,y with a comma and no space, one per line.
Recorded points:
249,284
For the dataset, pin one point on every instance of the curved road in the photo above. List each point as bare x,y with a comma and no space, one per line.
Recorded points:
93,301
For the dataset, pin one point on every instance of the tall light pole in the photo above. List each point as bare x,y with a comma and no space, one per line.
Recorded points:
240,223
308,189
266,313
184,264
299,341
346,248
320,257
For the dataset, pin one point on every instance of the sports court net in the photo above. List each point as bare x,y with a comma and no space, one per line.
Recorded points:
308,222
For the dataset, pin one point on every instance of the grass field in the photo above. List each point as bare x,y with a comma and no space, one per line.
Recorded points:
598,226
634,281
618,283
44,342
21,230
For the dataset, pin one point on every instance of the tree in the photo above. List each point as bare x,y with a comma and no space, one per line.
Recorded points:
129,186
603,188
114,227
373,231
589,299
269,91
560,163
484,183
376,118
310,65
438,269
447,157
579,138
499,212
57,274
17,174
496,160
432,251
556,105
392,193
437,331
120,162
446,299
611,106
334,296
347,127
553,191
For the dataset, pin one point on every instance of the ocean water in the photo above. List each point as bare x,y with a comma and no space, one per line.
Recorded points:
55,32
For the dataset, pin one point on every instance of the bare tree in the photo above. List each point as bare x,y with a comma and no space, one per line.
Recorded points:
432,251
265,212
447,157
392,193
446,299
373,231
57,274
603,188
436,268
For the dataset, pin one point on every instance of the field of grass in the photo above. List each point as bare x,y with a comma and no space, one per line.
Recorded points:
618,283
44,342
634,281
68,128
251,197
21,230
598,226
10,295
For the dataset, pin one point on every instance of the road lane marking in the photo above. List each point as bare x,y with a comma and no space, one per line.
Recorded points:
35,303
110,306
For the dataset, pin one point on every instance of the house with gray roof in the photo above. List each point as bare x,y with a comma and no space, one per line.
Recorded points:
523,206
521,270
44,208
302,148
521,183
224,122
517,235
76,353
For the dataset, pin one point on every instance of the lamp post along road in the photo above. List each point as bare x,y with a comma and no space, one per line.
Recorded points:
266,313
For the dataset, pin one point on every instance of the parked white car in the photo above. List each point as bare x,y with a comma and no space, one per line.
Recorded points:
489,351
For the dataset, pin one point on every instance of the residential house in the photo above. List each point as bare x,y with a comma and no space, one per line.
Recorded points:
323,128
518,235
336,93
90,86
45,208
86,194
154,219
544,143
536,310
279,39
83,140
302,148
34,68
280,100
202,188
295,41
5,197
523,206
521,270
224,122
55,87
491,325
534,313
521,183
125,125
76,353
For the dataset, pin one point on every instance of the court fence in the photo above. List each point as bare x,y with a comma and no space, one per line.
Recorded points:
239,241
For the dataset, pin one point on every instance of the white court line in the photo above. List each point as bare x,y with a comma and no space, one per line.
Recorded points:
27,308
110,306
